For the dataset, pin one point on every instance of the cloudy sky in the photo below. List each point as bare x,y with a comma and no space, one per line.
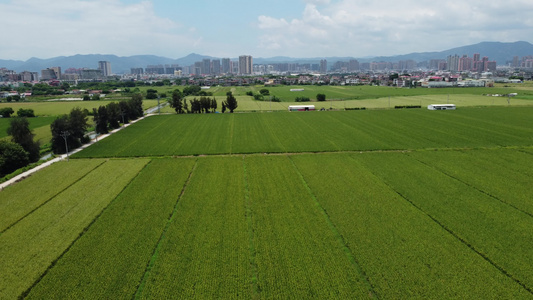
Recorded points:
296,28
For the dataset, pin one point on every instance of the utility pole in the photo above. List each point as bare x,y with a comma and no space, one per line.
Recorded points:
65,134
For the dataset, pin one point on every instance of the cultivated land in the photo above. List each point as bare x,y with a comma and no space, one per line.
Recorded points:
383,204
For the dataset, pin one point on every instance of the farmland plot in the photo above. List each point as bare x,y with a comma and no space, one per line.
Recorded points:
205,251
498,232
402,251
297,253
504,174
18,200
28,248
109,260
318,132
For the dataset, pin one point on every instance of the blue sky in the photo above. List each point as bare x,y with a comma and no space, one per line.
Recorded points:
296,28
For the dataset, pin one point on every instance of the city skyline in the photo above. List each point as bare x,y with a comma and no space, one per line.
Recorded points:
300,28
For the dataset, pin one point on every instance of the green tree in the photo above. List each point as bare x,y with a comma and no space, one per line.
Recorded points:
6,112
59,127
176,103
78,124
125,111
214,105
231,102
12,157
321,97
264,92
28,113
100,120
74,126
86,97
275,99
151,94
136,106
20,132
95,97
185,106
193,90
113,115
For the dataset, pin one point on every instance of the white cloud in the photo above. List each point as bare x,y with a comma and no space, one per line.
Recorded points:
362,27
67,27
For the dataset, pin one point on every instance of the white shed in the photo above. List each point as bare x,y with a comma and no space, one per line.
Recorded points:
441,106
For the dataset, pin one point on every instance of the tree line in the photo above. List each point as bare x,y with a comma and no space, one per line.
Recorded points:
108,117
202,105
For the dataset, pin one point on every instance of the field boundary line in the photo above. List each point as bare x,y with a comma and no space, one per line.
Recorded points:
155,253
473,187
347,250
251,246
459,238
52,197
80,235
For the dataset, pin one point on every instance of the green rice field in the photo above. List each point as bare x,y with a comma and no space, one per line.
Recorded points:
56,108
380,204
319,132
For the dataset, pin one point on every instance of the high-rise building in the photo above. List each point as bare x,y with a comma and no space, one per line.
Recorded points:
465,63
453,62
516,62
353,65
53,73
245,64
226,65
137,71
216,66
323,66
105,67
197,68
206,66
485,65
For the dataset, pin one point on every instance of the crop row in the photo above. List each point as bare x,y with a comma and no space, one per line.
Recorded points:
404,253
204,252
506,174
351,225
497,231
318,131
20,199
28,248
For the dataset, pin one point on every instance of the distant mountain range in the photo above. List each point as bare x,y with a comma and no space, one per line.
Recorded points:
496,51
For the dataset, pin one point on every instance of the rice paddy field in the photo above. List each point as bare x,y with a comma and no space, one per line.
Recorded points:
56,108
379,204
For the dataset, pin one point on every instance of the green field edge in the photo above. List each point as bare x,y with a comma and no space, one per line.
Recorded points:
55,261
51,198
347,250
239,154
155,253
460,239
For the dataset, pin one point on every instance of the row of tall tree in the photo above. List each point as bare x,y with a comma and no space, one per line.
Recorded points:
108,117
202,105
69,131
